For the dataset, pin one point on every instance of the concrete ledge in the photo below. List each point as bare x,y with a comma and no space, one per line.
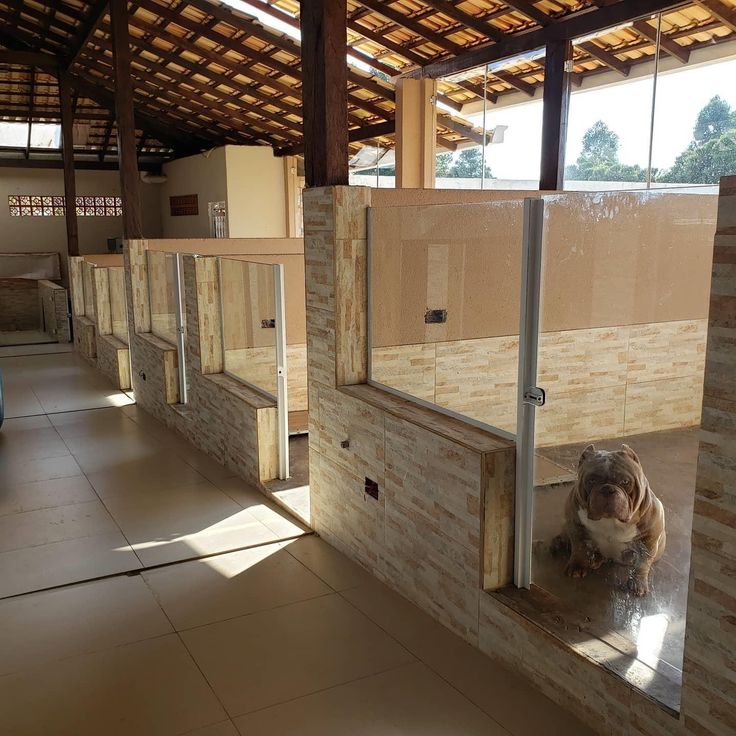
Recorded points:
463,433
250,396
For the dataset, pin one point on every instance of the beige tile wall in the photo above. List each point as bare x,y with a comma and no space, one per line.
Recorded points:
602,382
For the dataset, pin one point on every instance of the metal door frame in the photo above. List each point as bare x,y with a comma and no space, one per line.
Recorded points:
531,279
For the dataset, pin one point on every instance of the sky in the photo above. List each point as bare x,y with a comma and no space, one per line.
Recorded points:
626,109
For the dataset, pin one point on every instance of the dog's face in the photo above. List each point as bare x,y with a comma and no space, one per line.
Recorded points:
610,485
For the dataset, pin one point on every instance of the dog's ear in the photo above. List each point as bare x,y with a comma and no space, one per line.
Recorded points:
588,453
628,451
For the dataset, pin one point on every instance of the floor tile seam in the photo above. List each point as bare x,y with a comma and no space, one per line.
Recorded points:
56,541
325,689
314,572
188,629
199,669
418,658
101,500
143,568
50,508
86,653
216,723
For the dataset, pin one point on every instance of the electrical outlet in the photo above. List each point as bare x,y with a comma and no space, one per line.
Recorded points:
371,488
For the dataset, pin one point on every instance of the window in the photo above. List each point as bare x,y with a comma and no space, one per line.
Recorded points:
43,205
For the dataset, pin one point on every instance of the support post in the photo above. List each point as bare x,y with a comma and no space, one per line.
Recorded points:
325,92
554,115
127,154
67,154
416,133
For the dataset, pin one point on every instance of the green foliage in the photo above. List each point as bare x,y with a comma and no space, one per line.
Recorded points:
712,152
598,161
443,164
467,165
713,120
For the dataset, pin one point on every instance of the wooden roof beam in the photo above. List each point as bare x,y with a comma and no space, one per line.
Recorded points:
528,9
568,28
195,102
450,9
466,131
180,140
667,44
722,12
87,30
413,25
597,52
515,82
29,58
355,135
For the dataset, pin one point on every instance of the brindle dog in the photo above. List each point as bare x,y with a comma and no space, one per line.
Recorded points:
613,515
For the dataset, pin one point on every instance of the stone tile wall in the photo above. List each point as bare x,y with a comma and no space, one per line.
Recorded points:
54,300
422,535
231,423
19,308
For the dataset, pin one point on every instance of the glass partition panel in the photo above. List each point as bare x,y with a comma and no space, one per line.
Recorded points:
162,292
625,285
249,322
87,287
118,305
444,306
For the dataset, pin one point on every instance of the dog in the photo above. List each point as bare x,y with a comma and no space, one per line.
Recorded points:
612,515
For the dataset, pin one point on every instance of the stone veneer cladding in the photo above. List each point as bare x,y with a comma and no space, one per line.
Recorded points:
223,418
425,544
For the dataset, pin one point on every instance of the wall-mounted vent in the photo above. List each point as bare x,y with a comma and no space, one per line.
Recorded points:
371,488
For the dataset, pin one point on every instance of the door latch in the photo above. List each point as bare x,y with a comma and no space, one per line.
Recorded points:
535,396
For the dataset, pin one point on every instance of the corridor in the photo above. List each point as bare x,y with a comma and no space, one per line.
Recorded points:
146,590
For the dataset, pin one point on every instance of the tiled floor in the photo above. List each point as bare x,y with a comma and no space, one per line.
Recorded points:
281,637
24,337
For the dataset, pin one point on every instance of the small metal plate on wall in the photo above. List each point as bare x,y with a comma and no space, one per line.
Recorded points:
535,396
268,324
435,316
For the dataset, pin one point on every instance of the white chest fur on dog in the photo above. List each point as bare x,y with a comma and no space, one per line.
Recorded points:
611,536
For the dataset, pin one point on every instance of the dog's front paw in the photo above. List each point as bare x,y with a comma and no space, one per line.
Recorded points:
638,585
576,569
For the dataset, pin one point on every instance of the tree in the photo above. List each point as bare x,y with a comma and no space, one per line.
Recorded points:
712,152
598,161
600,143
713,120
469,165
443,164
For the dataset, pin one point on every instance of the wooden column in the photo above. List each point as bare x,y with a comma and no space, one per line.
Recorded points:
416,133
127,153
554,115
325,91
67,153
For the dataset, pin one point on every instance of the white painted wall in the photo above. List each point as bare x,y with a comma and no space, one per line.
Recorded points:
256,192
250,179
203,175
39,234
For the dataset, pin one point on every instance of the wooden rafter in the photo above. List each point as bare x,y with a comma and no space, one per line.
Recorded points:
717,9
666,43
598,52
87,30
566,28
